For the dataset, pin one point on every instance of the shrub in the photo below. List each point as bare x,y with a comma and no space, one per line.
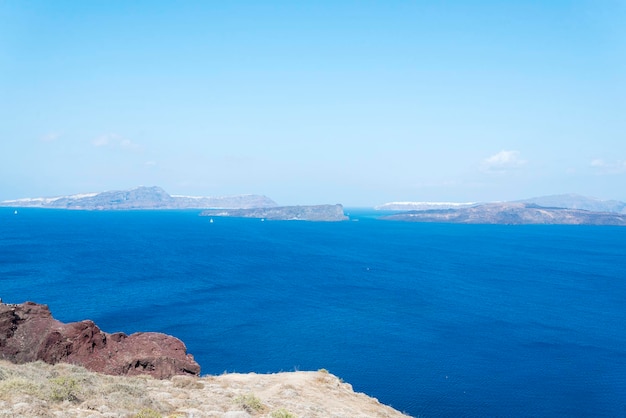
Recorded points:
250,403
130,388
282,413
64,388
18,385
147,413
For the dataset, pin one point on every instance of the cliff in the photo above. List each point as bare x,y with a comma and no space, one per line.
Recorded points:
326,213
512,214
28,332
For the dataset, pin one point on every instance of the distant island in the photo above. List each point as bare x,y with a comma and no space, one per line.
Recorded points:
141,198
319,213
565,209
511,213
404,206
564,201
575,201
569,209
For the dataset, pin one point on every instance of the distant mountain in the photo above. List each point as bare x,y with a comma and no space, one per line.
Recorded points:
320,213
423,205
140,198
574,201
512,214
566,201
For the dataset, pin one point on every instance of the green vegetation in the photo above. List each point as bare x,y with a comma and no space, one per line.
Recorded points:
42,390
45,388
250,403
147,413
64,388
11,385
282,413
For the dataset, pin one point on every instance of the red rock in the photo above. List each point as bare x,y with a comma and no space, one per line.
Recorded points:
28,332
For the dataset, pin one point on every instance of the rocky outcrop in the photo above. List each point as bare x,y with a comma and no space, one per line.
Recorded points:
319,213
28,332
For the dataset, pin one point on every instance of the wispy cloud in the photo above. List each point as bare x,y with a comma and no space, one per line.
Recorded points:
103,140
608,167
598,162
115,141
50,136
503,161
128,144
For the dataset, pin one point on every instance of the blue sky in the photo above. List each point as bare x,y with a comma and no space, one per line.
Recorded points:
353,102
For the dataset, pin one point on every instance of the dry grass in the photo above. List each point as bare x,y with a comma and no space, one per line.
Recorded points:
63,390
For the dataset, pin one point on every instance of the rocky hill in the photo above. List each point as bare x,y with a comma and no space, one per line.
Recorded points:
574,201
325,213
140,198
512,214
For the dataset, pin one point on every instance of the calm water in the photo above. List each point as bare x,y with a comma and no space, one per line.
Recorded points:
433,319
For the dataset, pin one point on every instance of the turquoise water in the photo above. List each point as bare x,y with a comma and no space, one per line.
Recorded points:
433,319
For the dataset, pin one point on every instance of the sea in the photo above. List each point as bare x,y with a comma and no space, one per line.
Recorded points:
435,320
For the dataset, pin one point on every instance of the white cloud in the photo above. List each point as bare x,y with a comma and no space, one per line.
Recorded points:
608,167
51,136
104,140
115,141
128,144
503,161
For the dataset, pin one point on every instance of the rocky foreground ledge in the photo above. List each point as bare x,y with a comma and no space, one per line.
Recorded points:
63,390
28,332
44,373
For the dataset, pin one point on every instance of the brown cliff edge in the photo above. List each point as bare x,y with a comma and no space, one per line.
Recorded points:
28,332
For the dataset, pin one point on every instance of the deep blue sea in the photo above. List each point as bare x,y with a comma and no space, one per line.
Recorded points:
435,320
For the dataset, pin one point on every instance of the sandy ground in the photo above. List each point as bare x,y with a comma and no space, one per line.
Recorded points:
63,390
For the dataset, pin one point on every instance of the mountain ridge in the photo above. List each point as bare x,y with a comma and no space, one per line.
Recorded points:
141,197
512,213
576,201
563,201
319,213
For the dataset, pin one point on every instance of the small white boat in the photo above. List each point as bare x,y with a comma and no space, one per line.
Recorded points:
15,213
211,220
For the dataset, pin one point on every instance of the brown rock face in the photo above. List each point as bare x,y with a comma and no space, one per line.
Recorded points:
28,332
